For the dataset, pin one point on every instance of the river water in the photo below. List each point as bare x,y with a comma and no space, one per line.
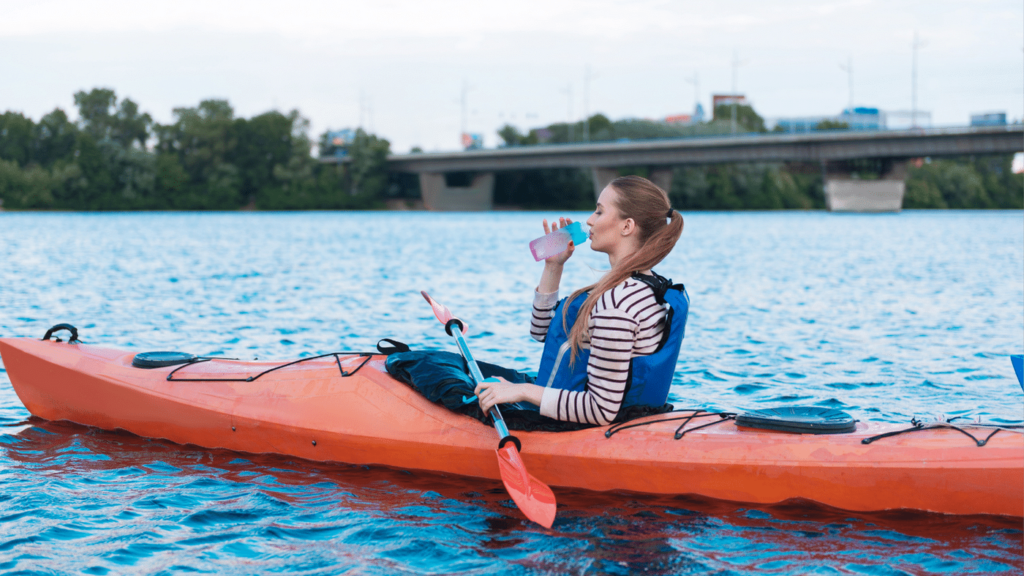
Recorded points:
884,316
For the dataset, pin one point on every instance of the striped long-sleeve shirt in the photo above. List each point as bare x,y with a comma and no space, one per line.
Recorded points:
626,322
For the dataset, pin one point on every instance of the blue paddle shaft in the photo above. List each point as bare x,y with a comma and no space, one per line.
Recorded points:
474,371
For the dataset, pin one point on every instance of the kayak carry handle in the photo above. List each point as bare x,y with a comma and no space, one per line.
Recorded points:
59,327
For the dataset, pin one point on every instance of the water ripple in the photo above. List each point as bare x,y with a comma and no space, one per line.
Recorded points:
885,316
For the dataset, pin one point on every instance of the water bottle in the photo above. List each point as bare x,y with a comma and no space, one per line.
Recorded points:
557,241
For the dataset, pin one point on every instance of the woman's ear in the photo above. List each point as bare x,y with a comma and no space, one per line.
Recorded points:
628,226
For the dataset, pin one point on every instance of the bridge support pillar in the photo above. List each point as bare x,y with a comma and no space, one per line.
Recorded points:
439,196
601,177
844,193
662,178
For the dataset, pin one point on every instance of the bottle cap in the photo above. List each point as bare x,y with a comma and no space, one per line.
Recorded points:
578,234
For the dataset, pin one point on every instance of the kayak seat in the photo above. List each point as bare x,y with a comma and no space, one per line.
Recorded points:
443,377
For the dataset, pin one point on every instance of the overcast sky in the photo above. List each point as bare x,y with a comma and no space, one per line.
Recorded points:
399,67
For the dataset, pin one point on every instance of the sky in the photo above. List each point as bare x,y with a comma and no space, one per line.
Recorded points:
402,69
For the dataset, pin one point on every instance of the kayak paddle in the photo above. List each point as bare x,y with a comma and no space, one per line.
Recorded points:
533,497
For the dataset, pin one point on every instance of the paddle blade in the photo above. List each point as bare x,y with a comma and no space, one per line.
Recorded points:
533,497
441,311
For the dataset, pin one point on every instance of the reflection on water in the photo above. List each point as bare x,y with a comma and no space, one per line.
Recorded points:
192,509
884,316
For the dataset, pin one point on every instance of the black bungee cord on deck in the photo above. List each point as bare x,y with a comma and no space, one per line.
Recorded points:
395,346
694,413
917,426
200,360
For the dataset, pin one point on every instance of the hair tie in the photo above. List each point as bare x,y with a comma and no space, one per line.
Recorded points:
669,214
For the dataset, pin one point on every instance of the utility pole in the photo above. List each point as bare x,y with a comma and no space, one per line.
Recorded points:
735,66
913,79
362,107
465,90
587,77
569,122
462,100
848,68
696,89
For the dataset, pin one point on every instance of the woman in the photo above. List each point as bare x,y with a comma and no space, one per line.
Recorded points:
626,330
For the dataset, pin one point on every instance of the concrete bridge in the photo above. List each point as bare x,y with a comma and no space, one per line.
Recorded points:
829,149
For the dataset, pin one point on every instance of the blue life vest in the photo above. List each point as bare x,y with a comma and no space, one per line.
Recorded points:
649,376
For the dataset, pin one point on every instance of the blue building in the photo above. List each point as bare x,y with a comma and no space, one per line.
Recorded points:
989,119
860,118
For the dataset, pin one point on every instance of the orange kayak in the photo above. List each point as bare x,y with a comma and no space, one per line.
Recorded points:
311,410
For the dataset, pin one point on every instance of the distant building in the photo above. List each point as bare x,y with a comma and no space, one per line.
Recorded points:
860,118
686,119
799,125
678,119
472,141
339,141
727,100
989,119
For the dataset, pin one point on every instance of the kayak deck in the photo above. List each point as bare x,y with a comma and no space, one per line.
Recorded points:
310,410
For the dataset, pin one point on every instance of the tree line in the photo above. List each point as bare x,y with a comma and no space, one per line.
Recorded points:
115,157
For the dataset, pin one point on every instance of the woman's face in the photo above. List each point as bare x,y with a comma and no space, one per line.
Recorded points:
606,223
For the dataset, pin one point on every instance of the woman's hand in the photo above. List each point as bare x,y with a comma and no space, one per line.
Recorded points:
496,391
500,391
559,259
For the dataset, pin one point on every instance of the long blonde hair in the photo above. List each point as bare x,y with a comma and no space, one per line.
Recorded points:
658,226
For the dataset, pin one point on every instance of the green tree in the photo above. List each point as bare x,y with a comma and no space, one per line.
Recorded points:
117,172
295,176
964,183
131,127
747,120
97,179
94,111
264,143
34,187
368,167
560,188
722,193
29,187
832,125
54,139
921,193
745,187
1004,188
600,128
203,140
511,135
171,183
16,133
103,118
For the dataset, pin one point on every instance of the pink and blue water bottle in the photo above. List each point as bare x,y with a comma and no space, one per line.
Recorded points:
557,241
